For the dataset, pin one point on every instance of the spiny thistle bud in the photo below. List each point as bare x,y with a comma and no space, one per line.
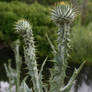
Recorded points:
63,13
24,29
22,26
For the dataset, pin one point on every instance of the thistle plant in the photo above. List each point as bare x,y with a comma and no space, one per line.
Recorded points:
63,16
14,74
24,29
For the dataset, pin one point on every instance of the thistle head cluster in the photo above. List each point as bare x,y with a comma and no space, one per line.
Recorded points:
63,13
22,26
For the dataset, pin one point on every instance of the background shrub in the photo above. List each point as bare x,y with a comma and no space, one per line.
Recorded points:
88,18
45,2
36,14
82,43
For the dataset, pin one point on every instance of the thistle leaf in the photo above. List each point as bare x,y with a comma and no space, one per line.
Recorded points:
24,87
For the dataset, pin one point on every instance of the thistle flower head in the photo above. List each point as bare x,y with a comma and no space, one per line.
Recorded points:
62,3
22,26
63,13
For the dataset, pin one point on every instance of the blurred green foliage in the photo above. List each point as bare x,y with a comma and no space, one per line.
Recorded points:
82,38
36,14
82,43
88,17
45,2
39,16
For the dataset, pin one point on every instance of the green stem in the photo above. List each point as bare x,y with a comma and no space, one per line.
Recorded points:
71,81
59,73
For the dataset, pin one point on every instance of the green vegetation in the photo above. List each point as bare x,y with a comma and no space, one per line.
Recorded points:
31,35
44,2
88,17
62,15
37,14
82,43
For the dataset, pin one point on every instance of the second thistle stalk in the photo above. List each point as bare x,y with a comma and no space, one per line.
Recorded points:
24,28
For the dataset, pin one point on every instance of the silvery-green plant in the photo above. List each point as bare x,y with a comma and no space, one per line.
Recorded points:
14,74
63,16
24,29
